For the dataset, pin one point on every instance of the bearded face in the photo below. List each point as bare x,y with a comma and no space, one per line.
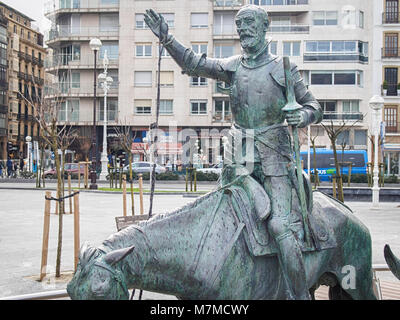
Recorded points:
251,30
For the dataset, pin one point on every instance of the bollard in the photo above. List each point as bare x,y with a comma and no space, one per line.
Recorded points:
124,194
76,230
195,180
186,179
69,193
141,192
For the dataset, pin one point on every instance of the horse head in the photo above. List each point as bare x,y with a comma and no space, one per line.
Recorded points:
99,276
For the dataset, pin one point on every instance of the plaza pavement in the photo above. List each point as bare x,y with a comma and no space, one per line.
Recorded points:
21,223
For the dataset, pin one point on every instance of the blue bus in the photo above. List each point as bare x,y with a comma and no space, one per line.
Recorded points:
326,164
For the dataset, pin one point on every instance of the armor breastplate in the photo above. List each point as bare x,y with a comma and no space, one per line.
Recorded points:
256,98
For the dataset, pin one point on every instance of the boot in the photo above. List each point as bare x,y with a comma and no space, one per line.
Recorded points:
292,265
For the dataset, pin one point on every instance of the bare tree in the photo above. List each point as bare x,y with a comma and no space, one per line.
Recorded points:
46,106
333,130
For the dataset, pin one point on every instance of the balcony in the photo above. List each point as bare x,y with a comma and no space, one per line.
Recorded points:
79,90
332,56
342,116
294,28
24,117
228,4
390,90
56,6
222,117
77,62
3,132
390,18
67,32
284,5
390,53
225,32
3,109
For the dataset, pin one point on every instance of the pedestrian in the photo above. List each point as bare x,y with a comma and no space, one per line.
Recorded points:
1,169
9,167
21,164
34,166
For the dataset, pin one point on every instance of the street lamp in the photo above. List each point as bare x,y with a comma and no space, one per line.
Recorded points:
95,45
28,140
376,105
106,82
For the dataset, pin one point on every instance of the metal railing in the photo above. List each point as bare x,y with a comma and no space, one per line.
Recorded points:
339,116
77,60
55,5
289,28
228,3
392,126
66,31
279,3
391,52
390,90
222,117
80,89
390,17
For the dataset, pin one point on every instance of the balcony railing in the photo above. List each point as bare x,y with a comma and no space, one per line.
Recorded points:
390,17
3,109
56,5
392,126
222,117
279,2
78,60
289,29
77,89
334,56
66,31
342,116
390,90
3,132
228,3
390,52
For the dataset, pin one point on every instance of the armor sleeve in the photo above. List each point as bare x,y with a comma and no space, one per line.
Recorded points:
194,64
311,107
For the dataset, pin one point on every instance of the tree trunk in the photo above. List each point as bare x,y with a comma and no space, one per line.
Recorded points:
316,177
338,175
131,181
60,194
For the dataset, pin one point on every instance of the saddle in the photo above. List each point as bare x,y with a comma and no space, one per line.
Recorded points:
251,205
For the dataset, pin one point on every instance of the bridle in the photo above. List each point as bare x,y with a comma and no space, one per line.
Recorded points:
116,274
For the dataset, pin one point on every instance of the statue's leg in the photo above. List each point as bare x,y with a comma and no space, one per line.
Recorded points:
279,189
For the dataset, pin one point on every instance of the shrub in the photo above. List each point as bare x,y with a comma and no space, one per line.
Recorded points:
207,176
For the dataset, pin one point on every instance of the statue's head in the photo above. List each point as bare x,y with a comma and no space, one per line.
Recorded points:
98,276
251,24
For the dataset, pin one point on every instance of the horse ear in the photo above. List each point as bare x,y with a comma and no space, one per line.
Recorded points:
87,253
116,256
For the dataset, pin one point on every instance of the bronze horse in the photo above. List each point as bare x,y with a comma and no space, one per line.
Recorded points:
204,251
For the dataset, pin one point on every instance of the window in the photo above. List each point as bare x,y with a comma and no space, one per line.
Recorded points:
198,81
140,24
75,80
273,46
143,106
164,52
166,78
224,23
199,20
198,107
331,46
143,50
112,110
112,49
109,22
69,111
291,48
166,106
360,137
361,19
143,79
351,106
223,50
328,106
222,110
336,77
322,18
343,139
199,47
169,19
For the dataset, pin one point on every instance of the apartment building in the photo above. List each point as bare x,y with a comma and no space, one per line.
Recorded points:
3,87
21,74
329,41
387,80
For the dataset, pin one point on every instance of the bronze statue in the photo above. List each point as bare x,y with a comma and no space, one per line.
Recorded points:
257,94
248,239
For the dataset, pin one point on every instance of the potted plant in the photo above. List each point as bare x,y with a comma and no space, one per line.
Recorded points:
384,87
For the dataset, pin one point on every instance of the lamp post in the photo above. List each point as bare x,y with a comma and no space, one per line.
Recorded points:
28,140
376,105
95,45
106,82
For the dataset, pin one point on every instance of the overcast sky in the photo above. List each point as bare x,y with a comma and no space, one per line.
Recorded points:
33,9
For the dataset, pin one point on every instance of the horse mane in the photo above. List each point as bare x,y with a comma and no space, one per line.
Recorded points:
182,210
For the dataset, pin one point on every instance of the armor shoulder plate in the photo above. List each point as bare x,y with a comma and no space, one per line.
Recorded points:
278,74
230,64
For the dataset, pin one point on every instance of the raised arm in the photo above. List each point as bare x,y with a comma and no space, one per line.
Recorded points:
192,64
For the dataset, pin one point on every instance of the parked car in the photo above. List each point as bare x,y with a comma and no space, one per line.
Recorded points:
143,167
69,168
217,168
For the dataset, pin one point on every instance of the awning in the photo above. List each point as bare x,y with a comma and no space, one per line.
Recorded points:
139,148
164,148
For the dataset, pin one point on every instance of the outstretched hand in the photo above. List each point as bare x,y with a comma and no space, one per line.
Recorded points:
153,21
